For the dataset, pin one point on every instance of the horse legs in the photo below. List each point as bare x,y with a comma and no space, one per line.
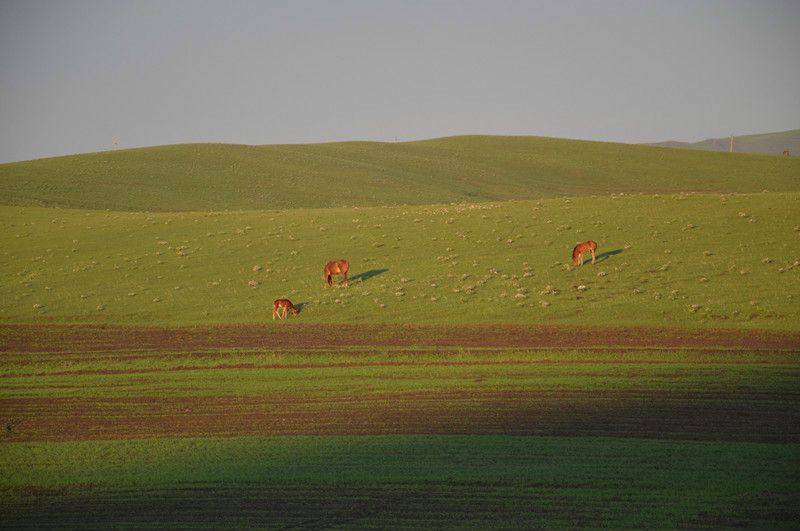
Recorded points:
592,256
344,279
274,312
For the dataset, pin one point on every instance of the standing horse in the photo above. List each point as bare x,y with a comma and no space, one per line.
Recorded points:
281,307
585,247
786,152
336,267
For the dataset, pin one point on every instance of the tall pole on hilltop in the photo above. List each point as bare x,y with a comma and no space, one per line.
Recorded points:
731,149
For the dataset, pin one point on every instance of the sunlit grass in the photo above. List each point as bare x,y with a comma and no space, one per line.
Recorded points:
691,260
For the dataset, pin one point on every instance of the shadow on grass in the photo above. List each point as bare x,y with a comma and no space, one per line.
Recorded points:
300,306
604,256
366,275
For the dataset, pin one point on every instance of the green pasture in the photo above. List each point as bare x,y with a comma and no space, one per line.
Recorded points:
203,177
707,260
401,481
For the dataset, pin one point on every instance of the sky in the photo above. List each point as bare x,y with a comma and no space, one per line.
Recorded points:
94,75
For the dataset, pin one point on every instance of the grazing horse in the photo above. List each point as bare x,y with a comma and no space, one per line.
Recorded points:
281,307
336,267
786,152
585,247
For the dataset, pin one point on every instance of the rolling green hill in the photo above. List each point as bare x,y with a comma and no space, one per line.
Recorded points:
471,168
774,143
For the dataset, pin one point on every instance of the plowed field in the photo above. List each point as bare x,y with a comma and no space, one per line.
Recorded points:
364,426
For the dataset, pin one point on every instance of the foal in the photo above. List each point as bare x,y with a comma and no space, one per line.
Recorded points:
281,307
585,247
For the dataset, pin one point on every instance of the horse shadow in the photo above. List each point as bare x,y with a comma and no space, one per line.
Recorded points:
604,256
300,307
366,275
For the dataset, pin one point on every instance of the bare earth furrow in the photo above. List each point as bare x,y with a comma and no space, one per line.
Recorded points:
90,338
709,416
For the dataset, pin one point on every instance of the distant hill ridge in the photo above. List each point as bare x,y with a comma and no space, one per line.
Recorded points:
775,143
206,177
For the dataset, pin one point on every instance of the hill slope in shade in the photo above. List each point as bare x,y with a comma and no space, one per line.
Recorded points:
773,143
470,168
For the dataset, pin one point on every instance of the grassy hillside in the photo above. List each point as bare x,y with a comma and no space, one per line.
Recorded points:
473,169
774,143
690,260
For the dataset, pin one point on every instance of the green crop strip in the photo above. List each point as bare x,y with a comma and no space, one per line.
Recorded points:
545,481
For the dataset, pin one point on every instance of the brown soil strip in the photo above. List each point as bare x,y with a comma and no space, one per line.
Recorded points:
89,338
651,414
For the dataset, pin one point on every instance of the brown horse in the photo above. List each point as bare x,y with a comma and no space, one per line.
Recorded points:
786,152
281,307
585,247
336,267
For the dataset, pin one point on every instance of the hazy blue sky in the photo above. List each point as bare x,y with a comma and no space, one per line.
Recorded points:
77,75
